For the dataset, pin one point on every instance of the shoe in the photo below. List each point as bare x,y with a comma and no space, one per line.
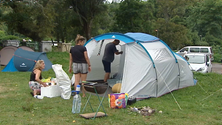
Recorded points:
38,96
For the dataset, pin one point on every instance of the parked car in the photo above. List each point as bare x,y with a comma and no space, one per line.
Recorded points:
197,49
199,62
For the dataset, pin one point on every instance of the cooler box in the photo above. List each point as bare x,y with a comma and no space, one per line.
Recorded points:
51,91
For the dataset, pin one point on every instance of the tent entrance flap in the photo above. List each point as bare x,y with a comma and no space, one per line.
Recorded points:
96,55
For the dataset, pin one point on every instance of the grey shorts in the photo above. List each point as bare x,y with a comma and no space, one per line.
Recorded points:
80,68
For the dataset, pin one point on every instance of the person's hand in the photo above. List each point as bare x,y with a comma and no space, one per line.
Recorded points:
44,84
89,68
70,70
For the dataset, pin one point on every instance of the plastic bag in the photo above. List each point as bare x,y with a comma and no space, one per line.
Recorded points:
63,81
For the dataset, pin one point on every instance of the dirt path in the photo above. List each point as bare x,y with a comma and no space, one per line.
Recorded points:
217,68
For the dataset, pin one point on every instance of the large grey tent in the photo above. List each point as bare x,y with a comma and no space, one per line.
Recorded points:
147,67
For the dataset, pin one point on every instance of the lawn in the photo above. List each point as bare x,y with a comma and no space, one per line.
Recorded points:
198,105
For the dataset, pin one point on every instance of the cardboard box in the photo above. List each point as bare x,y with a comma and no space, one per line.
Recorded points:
51,91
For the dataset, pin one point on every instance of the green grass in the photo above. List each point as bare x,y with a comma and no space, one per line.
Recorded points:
200,104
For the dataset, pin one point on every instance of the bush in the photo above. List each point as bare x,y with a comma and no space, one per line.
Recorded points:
10,37
217,58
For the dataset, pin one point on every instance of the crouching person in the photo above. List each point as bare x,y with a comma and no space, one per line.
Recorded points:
35,82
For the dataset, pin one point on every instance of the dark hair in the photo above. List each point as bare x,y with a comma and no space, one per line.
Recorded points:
79,38
117,41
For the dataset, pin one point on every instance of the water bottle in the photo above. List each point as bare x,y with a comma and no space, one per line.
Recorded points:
76,106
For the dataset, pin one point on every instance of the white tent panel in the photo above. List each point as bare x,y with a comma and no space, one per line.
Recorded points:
167,70
138,75
185,73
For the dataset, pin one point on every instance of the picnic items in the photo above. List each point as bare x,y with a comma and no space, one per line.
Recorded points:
117,100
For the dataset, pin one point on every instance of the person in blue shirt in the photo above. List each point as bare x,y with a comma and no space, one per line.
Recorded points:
108,57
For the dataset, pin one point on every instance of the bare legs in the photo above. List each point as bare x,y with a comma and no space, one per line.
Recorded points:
106,77
35,92
81,77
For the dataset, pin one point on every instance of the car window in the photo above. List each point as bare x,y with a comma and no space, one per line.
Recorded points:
197,59
208,59
195,50
204,50
184,49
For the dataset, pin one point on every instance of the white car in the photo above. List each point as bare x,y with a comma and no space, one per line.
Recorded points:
199,62
197,49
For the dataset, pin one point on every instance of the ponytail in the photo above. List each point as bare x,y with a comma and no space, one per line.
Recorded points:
79,38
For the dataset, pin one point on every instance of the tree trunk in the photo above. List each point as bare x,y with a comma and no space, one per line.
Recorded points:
87,28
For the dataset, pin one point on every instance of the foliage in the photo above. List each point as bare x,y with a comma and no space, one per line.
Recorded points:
217,50
87,11
10,37
32,20
206,19
177,22
103,22
200,104
65,25
134,16
175,35
2,34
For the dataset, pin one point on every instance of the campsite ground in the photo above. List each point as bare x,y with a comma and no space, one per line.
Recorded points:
217,68
199,104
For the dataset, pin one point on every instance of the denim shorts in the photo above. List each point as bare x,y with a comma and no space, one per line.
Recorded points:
107,66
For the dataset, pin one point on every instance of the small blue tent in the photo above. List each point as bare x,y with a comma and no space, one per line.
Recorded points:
24,60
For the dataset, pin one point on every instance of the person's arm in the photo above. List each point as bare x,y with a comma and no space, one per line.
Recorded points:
70,62
87,60
37,76
117,53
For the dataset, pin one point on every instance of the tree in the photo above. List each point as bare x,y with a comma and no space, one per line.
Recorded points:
134,16
66,22
206,19
175,35
87,10
34,20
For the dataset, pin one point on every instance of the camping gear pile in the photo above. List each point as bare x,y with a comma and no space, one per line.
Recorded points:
145,111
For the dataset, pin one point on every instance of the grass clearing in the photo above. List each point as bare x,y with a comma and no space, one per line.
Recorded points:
200,104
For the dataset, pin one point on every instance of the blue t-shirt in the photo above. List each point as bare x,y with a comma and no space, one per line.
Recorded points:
78,54
110,49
